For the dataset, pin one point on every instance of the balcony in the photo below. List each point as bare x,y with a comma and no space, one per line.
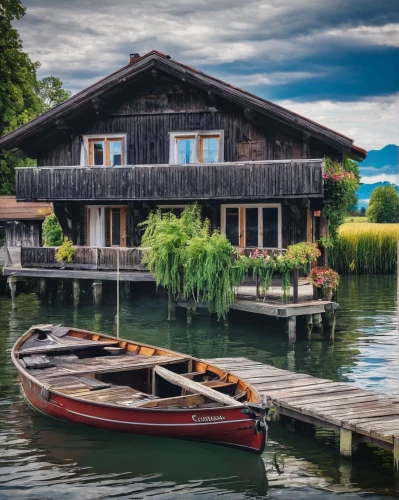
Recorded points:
86,258
234,181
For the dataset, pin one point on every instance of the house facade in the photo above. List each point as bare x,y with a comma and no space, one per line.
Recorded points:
158,133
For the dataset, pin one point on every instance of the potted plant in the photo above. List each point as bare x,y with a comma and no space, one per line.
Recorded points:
326,279
66,252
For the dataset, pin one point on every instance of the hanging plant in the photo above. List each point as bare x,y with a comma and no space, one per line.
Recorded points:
340,189
263,265
284,266
302,255
66,252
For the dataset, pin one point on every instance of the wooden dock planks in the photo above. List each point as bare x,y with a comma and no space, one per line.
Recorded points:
364,414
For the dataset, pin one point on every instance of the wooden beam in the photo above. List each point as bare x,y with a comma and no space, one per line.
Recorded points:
194,387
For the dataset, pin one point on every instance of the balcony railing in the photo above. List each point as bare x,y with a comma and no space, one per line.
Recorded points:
103,258
250,180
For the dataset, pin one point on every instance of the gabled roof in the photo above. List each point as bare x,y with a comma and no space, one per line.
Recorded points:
155,59
11,210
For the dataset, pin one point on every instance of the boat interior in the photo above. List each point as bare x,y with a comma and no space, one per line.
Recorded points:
106,370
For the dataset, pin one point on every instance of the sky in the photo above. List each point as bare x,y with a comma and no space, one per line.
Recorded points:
334,61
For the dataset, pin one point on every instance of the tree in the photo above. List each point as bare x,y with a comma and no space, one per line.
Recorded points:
19,101
363,211
384,205
20,97
51,92
352,167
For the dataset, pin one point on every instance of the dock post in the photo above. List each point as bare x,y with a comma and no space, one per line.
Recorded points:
191,310
43,290
329,319
345,443
318,321
65,290
76,292
12,283
51,291
97,292
309,325
291,329
171,307
125,289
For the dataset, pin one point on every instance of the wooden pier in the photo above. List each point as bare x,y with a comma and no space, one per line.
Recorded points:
358,415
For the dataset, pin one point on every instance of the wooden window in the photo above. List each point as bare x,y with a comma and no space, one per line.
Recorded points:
105,151
252,225
196,147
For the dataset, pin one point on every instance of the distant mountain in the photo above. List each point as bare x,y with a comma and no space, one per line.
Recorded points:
381,161
380,168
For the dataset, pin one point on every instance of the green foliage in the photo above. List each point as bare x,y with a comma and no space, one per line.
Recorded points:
52,232
20,92
8,162
339,190
19,101
66,252
51,93
284,266
384,205
185,257
352,167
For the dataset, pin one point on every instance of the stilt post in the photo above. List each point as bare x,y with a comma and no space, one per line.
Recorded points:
43,290
291,329
171,307
97,292
309,325
345,443
76,292
12,283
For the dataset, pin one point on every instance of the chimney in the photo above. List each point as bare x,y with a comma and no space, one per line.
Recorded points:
133,58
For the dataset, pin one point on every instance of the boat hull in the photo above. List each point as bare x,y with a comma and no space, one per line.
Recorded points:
230,426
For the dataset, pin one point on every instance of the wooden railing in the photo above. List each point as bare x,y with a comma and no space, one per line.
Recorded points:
104,258
249,180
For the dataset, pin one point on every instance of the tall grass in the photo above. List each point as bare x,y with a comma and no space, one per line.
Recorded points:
365,249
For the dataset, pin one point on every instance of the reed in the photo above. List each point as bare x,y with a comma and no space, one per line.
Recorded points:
365,248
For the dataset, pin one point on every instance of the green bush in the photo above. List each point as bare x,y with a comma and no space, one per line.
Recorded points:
52,232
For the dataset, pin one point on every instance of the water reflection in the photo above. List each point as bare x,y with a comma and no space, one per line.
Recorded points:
42,458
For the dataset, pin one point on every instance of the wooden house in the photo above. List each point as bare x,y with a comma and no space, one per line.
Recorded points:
158,133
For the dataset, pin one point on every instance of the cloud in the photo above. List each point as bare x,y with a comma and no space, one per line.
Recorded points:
393,179
340,55
372,123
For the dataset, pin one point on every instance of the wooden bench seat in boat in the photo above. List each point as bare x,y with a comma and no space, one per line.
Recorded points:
66,343
104,364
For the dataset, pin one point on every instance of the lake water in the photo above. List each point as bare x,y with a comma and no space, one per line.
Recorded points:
42,458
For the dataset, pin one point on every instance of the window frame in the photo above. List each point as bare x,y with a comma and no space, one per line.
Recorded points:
242,221
197,135
106,139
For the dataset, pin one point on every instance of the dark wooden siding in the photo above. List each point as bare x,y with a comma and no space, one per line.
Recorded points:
164,182
170,107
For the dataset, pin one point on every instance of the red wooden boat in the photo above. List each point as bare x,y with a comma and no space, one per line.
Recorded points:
115,384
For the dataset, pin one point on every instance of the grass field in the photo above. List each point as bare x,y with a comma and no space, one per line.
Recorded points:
353,219
365,248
